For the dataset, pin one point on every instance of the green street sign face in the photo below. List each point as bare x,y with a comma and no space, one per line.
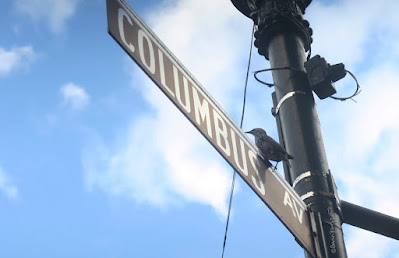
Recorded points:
191,98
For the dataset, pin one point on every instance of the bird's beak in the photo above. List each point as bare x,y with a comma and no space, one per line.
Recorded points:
247,132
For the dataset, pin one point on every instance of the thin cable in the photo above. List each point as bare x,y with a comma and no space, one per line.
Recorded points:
357,91
228,213
242,119
272,69
246,79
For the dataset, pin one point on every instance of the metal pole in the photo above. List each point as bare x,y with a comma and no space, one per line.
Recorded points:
302,135
283,37
303,140
370,220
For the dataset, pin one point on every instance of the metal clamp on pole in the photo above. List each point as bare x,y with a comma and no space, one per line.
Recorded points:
313,194
307,175
318,234
286,96
332,193
333,189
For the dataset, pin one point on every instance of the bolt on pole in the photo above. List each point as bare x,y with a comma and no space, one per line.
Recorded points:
283,36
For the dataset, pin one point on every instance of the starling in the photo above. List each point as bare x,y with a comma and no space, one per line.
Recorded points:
268,147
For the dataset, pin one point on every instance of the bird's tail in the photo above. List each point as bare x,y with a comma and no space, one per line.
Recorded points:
288,158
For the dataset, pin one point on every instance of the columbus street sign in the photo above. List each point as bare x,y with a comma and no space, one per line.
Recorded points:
191,98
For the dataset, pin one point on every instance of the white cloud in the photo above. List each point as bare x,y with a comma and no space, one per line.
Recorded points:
6,186
159,167
345,30
364,159
15,58
54,12
362,139
74,96
361,239
163,159
211,48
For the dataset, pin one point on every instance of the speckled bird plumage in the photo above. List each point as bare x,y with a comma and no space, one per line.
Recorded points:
268,147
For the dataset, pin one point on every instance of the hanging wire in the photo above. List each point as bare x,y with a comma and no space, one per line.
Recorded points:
246,79
242,120
272,69
357,91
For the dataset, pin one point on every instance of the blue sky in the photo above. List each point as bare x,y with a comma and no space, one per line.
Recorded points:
96,162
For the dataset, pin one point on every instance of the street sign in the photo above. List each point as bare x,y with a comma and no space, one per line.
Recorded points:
191,98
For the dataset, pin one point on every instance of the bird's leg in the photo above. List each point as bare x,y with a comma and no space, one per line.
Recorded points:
275,167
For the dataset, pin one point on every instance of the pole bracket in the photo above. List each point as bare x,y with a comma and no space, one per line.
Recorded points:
276,109
306,175
333,188
332,192
320,193
316,225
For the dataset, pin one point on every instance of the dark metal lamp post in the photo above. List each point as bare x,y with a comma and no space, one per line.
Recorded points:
283,37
